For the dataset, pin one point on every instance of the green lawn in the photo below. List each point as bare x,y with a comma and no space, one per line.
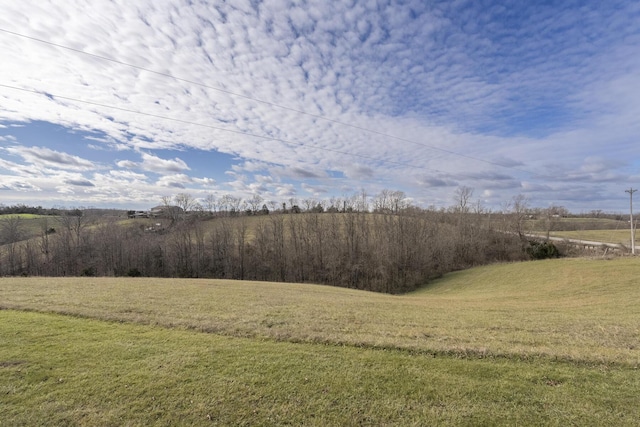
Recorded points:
23,216
60,370
538,343
31,224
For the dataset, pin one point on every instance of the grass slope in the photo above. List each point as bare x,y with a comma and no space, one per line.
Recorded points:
57,370
607,236
570,309
539,343
30,224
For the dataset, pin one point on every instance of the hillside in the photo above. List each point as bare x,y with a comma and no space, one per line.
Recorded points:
573,309
377,252
536,343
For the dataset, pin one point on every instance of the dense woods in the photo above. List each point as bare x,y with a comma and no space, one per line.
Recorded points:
391,249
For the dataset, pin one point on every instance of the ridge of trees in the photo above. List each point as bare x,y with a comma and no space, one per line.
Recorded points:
381,244
24,209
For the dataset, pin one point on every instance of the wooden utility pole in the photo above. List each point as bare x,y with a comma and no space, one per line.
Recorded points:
633,233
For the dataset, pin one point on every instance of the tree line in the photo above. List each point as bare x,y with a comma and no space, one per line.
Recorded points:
24,209
393,248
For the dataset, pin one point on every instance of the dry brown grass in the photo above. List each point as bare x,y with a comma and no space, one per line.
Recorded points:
579,310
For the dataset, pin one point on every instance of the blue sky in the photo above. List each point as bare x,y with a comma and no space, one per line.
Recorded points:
118,103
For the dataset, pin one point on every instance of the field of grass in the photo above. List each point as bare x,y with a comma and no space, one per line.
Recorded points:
607,236
31,224
575,224
24,216
550,342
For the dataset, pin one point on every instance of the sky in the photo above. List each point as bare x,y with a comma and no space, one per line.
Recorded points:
119,103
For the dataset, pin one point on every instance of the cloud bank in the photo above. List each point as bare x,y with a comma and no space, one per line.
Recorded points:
322,98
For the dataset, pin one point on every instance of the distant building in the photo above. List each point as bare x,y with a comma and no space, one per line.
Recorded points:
138,214
165,211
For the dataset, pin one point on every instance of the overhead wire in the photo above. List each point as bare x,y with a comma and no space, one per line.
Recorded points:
269,103
239,132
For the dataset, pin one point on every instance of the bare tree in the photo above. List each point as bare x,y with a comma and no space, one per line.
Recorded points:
221,243
255,202
293,201
11,233
309,203
198,209
45,245
381,202
223,203
181,243
552,216
240,237
169,209
73,239
234,204
210,203
463,198
349,203
518,212
335,204
278,239
362,201
184,201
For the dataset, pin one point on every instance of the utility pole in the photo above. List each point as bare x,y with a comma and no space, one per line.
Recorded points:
633,234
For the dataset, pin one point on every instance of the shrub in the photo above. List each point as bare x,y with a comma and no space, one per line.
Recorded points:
134,272
89,272
542,250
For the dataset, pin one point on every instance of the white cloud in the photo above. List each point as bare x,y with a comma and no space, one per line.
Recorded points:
284,190
45,157
156,164
463,87
174,181
65,189
18,169
10,183
359,171
315,190
79,182
128,175
205,182
128,164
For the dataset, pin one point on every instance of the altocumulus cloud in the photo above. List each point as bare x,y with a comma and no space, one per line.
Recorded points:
45,157
495,95
79,182
154,164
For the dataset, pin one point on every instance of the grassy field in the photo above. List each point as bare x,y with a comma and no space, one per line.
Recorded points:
30,224
550,342
607,236
23,216
576,224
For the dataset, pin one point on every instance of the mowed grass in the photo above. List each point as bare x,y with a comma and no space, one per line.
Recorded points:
607,236
577,223
30,224
549,342
61,370
23,216
582,310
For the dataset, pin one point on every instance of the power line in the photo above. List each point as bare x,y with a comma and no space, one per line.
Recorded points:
271,104
158,116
